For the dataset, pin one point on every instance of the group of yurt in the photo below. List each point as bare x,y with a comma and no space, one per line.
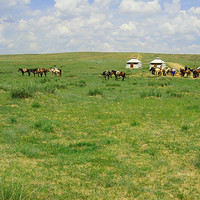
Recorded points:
134,63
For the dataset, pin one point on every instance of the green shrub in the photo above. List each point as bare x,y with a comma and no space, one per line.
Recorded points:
17,189
35,105
30,151
44,125
81,84
22,92
197,161
151,93
133,123
185,127
94,92
13,120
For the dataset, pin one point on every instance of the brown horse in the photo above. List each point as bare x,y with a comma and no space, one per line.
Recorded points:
24,70
185,71
107,74
118,74
195,72
39,71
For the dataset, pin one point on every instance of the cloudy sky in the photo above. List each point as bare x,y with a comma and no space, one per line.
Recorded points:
52,26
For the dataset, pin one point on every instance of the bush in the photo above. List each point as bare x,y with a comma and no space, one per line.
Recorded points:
17,189
81,83
35,105
44,125
94,92
151,93
22,92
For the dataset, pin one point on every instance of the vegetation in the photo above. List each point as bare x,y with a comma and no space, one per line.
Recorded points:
83,137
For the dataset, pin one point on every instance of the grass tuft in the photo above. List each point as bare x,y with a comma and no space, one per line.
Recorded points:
17,189
151,93
94,92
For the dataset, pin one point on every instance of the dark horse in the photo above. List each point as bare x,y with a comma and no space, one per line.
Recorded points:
186,71
39,71
107,74
118,74
23,71
196,72
153,70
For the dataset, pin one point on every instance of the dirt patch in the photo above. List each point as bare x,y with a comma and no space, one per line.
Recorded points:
175,65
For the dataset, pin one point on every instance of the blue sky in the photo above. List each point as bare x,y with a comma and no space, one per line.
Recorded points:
50,26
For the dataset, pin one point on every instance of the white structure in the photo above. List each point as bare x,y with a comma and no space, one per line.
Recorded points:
133,63
158,63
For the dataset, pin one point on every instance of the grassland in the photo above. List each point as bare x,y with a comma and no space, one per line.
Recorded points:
83,137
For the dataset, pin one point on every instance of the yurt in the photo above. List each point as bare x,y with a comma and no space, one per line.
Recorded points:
158,63
134,63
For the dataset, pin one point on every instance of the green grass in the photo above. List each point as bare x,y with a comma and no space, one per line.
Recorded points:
83,137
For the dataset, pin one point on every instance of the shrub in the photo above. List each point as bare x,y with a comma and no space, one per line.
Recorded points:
197,161
94,92
35,105
185,127
174,94
81,83
44,125
22,92
133,123
17,189
151,93
13,120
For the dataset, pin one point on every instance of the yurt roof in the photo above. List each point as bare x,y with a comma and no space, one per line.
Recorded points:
157,60
133,60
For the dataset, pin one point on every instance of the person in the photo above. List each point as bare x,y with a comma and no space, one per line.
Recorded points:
173,71
186,68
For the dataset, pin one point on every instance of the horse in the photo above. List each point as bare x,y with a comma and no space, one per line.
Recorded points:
195,72
24,70
107,74
55,71
39,71
186,71
164,72
153,70
118,74
168,70
158,71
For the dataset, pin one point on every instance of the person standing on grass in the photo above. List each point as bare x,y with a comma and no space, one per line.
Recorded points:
173,71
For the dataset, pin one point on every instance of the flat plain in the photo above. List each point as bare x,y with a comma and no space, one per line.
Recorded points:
83,137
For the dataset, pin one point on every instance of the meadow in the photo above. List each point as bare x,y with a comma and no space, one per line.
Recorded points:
83,137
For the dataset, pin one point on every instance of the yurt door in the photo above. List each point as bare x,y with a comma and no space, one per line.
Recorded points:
131,66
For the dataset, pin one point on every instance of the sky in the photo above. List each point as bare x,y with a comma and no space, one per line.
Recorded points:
54,26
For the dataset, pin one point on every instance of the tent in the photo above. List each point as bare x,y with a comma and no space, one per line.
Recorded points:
158,63
133,63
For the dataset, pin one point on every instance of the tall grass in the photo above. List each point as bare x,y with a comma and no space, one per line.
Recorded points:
18,189
95,92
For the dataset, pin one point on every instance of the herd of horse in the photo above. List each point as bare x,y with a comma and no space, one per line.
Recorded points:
108,74
172,71
40,71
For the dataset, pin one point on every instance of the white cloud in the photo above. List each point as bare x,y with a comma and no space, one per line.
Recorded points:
103,25
194,11
140,7
11,3
173,8
69,4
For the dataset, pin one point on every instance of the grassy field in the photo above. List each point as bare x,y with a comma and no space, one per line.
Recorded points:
83,137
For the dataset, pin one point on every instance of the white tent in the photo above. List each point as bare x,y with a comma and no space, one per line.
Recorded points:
158,63
133,63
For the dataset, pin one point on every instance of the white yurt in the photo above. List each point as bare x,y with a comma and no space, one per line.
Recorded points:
158,63
134,63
